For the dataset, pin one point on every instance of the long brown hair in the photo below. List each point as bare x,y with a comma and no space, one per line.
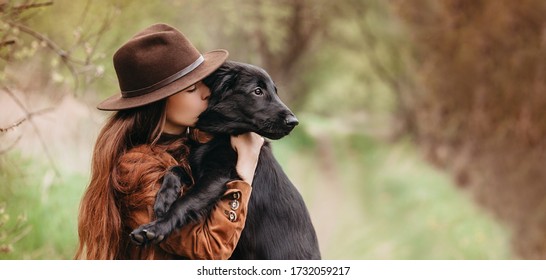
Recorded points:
99,222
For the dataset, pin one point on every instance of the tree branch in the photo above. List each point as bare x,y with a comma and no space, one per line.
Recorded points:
25,118
29,118
6,43
64,55
5,150
25,6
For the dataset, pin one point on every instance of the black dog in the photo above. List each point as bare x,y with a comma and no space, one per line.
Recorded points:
278,225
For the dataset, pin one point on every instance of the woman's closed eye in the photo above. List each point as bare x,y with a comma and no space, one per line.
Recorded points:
191,88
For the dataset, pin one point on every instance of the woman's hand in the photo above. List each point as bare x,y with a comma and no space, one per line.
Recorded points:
247,146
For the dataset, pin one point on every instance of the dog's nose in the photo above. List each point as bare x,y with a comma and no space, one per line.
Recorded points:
291,120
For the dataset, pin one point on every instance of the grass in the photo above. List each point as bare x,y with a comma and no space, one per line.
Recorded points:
368,200
48,207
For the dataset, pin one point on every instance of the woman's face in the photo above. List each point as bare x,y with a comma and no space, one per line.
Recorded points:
184,108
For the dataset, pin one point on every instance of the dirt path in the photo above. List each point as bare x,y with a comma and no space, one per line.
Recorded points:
328,195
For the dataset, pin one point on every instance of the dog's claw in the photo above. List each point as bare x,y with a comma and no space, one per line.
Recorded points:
137,238
150,235
159,239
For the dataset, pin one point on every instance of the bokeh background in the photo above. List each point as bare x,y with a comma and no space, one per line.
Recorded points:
421,122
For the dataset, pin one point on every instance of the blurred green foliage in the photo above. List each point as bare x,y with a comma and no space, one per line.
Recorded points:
375,200
47,208
340,65
309,47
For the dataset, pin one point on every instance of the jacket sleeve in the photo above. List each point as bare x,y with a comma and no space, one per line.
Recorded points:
213,238
218,235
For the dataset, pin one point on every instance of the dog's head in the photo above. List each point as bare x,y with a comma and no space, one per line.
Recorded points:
244,99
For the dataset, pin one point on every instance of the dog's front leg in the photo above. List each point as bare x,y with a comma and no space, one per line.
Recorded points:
194,205
170,190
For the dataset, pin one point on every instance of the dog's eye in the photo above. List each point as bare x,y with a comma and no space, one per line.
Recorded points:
258,91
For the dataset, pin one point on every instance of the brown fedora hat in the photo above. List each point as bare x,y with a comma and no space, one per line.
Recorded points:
157,63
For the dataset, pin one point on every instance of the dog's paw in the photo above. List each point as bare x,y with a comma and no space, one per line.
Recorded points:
146,234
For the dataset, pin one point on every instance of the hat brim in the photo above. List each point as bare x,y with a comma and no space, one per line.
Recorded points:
213,60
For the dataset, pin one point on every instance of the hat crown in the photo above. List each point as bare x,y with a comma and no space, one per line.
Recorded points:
152,56
157,63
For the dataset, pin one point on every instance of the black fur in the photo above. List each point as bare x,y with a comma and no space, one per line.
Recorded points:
278,226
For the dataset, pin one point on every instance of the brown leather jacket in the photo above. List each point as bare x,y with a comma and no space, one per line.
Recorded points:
140,172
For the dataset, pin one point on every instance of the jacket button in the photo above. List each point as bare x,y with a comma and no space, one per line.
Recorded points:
234,204
232,216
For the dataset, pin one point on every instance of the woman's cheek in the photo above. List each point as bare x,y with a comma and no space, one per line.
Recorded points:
200,107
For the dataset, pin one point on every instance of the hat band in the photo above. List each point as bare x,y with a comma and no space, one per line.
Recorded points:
170,79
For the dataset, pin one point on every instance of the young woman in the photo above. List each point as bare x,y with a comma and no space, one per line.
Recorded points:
159,73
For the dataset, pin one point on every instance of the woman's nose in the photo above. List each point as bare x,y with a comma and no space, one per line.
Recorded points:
206,94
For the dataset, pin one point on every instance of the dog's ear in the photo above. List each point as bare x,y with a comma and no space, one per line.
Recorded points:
221,80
